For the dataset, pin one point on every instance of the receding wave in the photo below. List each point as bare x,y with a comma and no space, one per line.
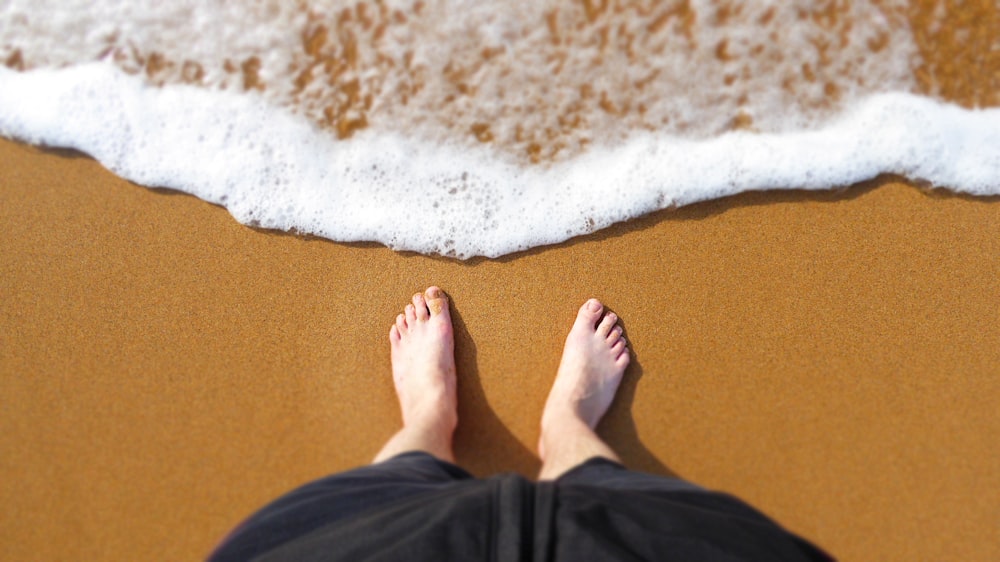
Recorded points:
484,128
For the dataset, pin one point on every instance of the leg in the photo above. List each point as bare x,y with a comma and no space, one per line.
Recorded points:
423,371
593,362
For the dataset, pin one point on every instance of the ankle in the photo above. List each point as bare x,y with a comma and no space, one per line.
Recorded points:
432,417
558,419
558,428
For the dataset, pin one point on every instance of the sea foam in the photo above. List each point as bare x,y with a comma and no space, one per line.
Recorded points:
273,169
482,127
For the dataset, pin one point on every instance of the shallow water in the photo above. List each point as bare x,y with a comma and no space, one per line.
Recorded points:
484,128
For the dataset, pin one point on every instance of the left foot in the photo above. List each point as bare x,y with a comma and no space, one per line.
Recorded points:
423,363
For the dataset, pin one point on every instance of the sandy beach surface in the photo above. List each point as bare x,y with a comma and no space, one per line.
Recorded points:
831,358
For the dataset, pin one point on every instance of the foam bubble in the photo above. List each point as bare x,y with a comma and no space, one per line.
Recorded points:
273,169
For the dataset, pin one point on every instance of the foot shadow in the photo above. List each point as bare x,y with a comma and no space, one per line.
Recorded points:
483,445
618,429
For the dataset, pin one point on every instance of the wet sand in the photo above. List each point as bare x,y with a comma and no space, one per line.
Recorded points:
831,358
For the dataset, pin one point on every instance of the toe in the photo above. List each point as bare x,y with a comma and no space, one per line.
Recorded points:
609,321
411,315
617,348
437,301
623,359
589,313
615,335
394,334
420,307
401,324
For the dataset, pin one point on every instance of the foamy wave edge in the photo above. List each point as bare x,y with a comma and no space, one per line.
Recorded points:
272,169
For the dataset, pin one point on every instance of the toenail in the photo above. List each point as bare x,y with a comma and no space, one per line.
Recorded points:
434,293
594,305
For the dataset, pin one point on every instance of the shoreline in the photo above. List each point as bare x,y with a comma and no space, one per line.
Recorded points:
284,178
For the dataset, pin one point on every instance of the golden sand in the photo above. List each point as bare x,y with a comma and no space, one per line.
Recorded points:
832,358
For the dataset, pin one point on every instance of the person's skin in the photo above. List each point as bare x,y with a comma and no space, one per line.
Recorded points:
422,346
423,371
593,362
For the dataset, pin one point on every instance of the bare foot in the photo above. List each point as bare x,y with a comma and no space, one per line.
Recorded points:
593,362
423,363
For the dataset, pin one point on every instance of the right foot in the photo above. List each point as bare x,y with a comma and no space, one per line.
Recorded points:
593,362
423,362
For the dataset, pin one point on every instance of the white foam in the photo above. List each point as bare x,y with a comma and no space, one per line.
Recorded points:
276,170
558,76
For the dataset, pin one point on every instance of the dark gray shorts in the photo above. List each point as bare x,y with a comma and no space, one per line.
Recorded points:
354,492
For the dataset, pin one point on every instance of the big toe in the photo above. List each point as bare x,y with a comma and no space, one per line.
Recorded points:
437,301
589,314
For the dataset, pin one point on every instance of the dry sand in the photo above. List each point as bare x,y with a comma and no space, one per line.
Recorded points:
830,357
